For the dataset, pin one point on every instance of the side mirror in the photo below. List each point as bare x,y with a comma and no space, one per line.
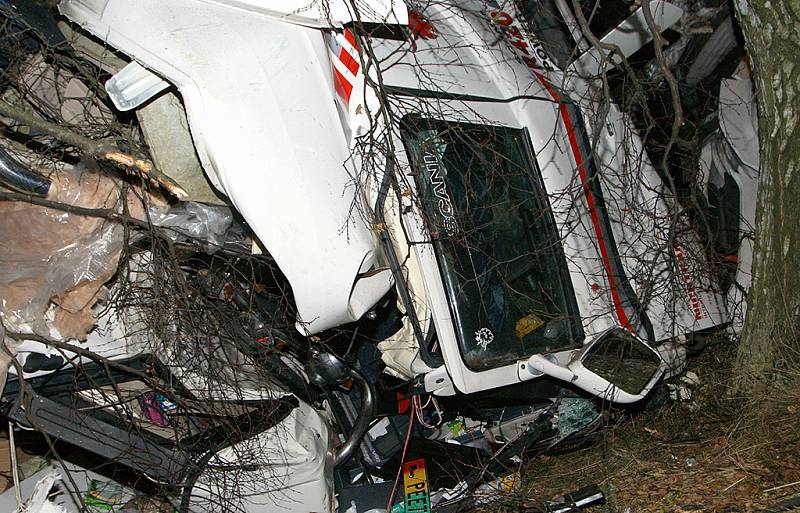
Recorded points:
629,36
616,366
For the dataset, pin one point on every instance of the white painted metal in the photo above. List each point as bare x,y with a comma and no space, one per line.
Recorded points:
260,102
133,85
310,13
735,151
324,14
627,175
259,99
294,471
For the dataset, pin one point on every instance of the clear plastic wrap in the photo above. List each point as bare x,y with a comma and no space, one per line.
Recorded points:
195,221
6,355
50,257
53,264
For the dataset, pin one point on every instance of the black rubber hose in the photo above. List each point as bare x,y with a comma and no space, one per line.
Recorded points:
17,177
361,426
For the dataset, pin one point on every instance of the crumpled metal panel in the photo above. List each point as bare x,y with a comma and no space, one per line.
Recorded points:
260,106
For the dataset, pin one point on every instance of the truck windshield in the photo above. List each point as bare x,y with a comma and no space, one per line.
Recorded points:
496,242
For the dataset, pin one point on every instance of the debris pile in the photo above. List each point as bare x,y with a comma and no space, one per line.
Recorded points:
327,258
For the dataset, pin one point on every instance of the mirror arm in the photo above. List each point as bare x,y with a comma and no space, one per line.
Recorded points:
538,364
586,380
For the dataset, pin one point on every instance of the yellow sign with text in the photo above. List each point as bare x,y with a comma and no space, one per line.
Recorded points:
415,486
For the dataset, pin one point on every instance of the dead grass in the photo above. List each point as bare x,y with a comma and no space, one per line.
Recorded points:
717,453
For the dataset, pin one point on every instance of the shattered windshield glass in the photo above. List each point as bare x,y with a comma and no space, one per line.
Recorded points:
497,246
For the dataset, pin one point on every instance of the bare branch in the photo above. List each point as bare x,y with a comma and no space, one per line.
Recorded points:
98,149
103,213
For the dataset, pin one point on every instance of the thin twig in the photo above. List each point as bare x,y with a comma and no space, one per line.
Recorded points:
658,45
12,447
103,213
732,485
787,485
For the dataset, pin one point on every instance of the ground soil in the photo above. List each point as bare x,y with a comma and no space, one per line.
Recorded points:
716,453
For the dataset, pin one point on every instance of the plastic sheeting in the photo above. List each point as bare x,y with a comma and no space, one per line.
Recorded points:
51,258
6,355
195,221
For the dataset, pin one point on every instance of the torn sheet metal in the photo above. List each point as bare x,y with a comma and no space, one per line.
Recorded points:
730,161
282,163
293,457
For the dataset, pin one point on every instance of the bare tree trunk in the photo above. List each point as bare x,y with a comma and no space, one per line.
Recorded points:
770,343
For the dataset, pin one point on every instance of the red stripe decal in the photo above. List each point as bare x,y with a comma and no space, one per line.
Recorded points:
348,34
576,152
342,86
348,60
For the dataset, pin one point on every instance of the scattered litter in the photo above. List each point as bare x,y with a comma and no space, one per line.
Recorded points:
682,389
39,501
152,409
586,497
690,378
104,495
52,490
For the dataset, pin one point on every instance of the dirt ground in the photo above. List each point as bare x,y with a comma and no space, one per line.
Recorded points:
715,453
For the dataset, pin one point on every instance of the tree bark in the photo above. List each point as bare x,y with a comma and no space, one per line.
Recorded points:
770,344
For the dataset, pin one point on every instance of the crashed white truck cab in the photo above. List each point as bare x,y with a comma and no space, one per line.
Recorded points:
524,235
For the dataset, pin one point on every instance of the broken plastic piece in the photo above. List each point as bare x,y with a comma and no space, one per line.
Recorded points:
133,86
583,498
38,502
